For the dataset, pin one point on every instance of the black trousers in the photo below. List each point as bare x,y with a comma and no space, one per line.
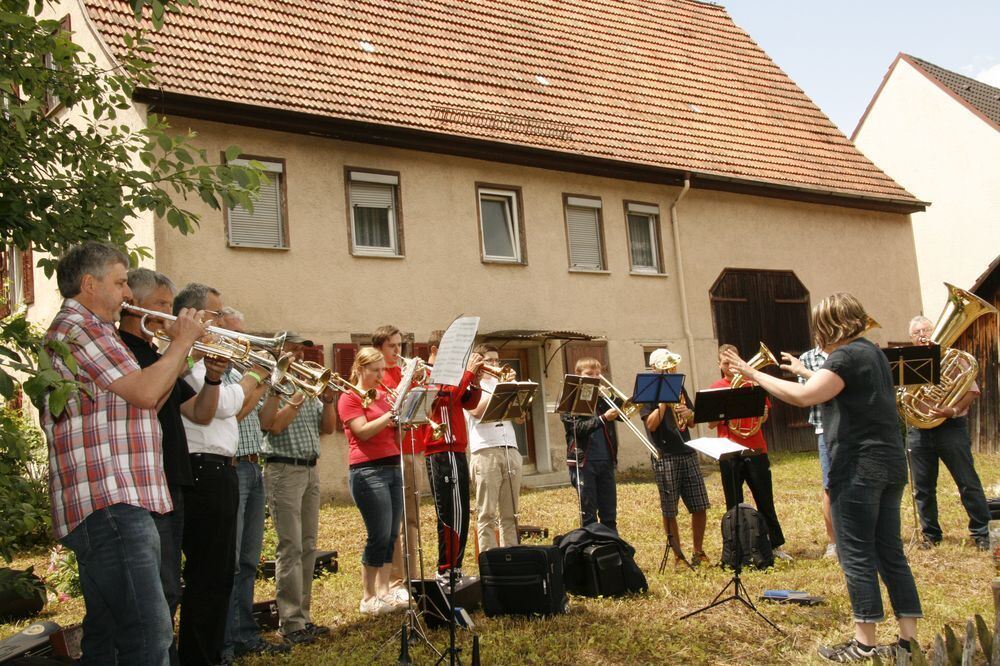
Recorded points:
452,521
171,529
209,551
756,472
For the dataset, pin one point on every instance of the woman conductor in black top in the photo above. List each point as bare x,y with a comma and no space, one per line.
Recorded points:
867,469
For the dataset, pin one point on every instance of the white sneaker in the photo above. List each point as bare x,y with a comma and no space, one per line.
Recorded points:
398,595
375,606
831,551
444,578
782,555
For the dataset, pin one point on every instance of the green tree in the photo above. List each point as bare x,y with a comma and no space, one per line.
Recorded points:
72,170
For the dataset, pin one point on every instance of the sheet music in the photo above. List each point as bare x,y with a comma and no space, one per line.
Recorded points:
453,354
715,447
404,383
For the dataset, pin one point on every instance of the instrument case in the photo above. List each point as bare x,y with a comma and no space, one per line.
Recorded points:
605,572
522,580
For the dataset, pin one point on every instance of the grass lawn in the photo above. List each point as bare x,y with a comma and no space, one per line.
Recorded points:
953,579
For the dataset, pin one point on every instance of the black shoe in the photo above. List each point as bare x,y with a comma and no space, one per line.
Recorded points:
927,543
317,629
300,637
260,647
852,650
983,543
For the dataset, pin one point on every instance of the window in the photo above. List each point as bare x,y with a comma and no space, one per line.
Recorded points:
374,218
583,233
16,279
266,226
643,237
500,224
52,101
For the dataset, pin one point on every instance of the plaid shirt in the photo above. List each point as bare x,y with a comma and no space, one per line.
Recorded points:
814,360
102,450
301,438
251,436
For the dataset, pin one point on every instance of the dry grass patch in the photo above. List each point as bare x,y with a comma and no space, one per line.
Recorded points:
953,579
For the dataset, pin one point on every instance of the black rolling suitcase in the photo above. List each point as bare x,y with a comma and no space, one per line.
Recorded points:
522,580
604,571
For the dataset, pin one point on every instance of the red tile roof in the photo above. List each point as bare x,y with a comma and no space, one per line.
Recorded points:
669,84
981,98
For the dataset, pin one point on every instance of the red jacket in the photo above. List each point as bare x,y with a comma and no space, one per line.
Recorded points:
448,410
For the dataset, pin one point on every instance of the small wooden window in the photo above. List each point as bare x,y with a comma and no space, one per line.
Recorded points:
373,213
501,227
643,227
584,233
265,227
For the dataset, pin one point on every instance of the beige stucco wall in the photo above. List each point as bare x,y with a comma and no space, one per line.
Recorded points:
318,289
943,153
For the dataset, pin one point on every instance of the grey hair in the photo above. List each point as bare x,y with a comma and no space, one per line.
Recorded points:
143,282
919,319
90,258
231,312
194,296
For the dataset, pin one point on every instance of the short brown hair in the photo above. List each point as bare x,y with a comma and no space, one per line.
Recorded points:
588,363
435,338
838,318
383,333
728,347
485,348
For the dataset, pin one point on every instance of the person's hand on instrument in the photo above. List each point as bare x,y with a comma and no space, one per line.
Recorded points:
187,328
611,415
475,363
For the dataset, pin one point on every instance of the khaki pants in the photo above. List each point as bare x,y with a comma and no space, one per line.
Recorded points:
412,462
496,495
293,498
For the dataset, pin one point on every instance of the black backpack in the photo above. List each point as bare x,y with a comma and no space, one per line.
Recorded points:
754,541
598,562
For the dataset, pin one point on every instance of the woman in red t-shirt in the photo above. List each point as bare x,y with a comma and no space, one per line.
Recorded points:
374,478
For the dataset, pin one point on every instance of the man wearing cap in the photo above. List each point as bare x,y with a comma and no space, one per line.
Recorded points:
678,474
291,482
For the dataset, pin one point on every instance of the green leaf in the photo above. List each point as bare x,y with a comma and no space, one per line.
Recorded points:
232,153
59,397
7,386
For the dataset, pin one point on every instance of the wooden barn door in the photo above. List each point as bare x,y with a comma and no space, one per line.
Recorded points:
754,306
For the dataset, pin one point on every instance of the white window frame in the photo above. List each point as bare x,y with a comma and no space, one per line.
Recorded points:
275,172
652,215
513,223
595,205
392,183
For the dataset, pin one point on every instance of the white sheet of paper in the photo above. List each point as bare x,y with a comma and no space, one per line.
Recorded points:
453,354
404,383
715,447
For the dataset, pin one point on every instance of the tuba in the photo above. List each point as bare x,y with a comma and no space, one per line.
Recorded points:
958,368
749,427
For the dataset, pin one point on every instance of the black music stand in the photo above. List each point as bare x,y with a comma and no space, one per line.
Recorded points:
579,398
913,365
723,405
652,388
510,401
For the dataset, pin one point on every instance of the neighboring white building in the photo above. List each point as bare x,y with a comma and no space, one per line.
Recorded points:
937,133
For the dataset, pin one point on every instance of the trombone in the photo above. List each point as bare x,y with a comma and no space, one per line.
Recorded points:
611,394
225,344
337,383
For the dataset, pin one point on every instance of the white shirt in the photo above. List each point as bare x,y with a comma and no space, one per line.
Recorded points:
489,435
222,435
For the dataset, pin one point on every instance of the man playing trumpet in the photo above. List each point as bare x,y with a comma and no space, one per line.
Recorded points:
678,474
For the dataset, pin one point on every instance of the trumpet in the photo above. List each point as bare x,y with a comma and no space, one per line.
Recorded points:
422,373
225,343
503,373
307,376
613,395
337,383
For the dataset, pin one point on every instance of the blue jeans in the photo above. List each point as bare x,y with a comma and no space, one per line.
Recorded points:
950,443
598,494
866,523
240,626
378,492
170,527
824,459
118,553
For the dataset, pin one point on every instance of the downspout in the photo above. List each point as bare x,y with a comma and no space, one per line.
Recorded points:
679,258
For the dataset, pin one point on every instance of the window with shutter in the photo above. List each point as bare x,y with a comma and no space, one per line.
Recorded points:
52,102
6,304
583,231
265,226
574,351
643,236
314,354
374,218
27,277
499,225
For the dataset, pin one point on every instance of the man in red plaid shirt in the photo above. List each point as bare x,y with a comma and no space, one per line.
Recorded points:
105,461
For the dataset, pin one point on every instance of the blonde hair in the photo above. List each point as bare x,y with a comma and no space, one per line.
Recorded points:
838,318
365,357
588,363
728,347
